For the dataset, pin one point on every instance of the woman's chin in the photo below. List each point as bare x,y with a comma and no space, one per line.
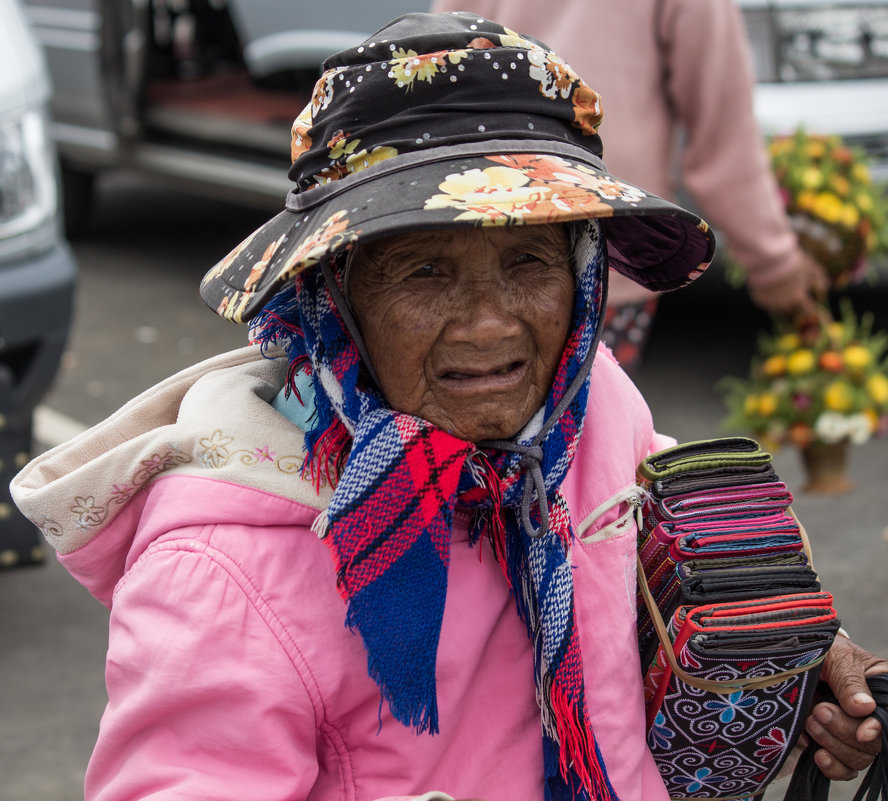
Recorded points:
483,407
485,423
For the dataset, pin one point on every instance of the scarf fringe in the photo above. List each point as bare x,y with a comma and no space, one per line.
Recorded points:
328,455
273,326
414,705
577,749
298,365
328,442
525,599
321,525
420,717
408,686
492,518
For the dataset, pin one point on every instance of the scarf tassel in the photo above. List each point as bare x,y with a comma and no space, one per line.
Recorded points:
328,455
275,324
296,366
493,523
421,717
577,750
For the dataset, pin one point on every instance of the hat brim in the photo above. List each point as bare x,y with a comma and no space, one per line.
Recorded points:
650,240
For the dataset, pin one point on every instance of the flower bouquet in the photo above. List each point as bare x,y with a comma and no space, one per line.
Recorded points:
837,213
818,388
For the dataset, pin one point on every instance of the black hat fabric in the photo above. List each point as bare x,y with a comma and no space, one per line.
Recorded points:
443,121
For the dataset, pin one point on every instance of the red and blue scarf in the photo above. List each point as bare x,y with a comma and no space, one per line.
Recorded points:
398,480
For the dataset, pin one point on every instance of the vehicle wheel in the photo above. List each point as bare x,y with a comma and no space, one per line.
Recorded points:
20,541
78,193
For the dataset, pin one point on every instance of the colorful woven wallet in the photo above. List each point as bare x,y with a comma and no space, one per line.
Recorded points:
723,720
732,623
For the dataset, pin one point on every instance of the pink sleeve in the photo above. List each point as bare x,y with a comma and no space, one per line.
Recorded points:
724,163
204,702
660,442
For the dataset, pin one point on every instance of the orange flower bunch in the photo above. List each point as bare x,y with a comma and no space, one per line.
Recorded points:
839,215
825,383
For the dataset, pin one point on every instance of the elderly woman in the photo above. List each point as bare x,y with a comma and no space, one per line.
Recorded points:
435,414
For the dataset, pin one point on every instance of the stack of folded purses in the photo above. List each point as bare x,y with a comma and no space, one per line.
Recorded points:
732,624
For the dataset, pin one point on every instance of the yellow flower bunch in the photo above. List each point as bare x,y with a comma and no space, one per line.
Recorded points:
824,383
840,216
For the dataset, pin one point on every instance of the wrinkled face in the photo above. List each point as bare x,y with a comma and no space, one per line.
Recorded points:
465,328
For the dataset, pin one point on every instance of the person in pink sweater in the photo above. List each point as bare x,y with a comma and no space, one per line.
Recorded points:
388,550
675,77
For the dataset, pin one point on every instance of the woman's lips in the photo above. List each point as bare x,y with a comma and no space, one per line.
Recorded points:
481,378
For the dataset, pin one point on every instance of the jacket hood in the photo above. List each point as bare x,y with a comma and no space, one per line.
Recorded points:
213,420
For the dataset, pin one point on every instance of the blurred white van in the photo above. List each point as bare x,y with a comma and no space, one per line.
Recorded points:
199,92
823,65
37,269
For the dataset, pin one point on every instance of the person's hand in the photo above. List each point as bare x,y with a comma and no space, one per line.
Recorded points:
850,738
797,294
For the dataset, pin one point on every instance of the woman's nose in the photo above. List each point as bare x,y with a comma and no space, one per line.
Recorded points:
483,314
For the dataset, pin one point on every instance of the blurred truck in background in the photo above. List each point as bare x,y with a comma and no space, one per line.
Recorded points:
37,269
824,66
200,93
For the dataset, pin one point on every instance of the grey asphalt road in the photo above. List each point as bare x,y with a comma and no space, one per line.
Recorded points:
139,318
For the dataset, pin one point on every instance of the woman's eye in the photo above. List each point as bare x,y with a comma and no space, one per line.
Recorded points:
523,259
426,271
537,262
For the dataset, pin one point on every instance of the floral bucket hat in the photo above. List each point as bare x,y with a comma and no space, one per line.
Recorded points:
442,121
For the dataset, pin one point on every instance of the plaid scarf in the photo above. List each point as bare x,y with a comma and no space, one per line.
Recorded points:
390,517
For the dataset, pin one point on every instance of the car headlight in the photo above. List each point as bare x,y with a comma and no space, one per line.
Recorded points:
818,44
28,191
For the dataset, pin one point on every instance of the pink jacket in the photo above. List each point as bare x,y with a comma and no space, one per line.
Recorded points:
230,673
670,71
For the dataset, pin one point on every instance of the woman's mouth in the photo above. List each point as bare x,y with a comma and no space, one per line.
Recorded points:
493,375
499,371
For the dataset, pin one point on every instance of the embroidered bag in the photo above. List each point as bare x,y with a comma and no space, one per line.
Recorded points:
730,677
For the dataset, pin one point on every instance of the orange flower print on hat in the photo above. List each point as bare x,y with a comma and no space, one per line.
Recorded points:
522,189
300,141
587,109
323,92
492,196
553,169
328,238
555,76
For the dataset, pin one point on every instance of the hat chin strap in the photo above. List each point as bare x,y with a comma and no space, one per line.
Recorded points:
348,317
531,455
